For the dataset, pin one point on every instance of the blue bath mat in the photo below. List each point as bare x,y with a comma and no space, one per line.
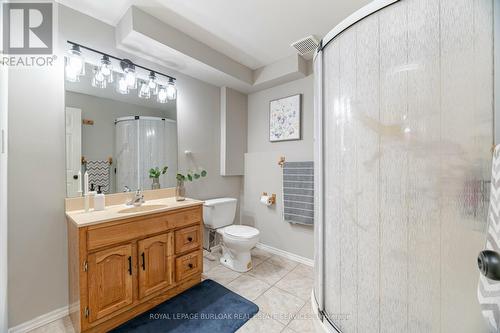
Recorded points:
207,307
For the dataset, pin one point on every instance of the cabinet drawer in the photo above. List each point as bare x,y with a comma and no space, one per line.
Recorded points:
187,239
188,265
100,236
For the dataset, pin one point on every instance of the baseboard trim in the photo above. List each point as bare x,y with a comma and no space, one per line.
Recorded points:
285,254
40,321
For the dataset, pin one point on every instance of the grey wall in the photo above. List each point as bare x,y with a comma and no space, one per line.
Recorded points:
37,227
262,173
233,132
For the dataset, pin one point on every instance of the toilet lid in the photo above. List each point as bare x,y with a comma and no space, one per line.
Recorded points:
241,231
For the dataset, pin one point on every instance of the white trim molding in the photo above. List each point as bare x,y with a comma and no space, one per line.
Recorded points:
40,320
285,254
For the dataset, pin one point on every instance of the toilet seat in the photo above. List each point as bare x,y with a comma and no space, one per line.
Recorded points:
241,232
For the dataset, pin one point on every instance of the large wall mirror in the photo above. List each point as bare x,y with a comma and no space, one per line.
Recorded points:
118,138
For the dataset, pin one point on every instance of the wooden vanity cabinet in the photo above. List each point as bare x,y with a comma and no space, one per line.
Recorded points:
120,269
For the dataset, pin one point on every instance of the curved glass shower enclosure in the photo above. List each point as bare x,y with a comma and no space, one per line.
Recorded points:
404,130
142,143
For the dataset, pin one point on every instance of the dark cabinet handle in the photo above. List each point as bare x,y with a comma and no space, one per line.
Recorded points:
130,265
190,266
488,263
75,177
190,239
143,262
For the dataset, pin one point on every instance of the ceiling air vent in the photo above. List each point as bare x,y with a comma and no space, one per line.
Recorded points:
306,46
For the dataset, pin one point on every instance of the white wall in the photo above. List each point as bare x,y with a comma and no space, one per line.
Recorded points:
262,173
37,226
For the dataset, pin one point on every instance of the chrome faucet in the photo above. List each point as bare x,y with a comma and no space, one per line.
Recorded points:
137,200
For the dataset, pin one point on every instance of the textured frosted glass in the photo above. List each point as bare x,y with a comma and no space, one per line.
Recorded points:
126,155
140,145
407,120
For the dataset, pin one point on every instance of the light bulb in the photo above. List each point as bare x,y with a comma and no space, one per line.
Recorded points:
171,90
144,91
99,80
122,86
162,95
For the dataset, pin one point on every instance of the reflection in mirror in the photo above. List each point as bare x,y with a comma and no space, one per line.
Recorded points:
118,138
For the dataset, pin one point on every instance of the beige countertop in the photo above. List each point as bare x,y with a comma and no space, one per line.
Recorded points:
120,212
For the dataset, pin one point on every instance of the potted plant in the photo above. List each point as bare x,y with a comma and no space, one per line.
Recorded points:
154,174
180,190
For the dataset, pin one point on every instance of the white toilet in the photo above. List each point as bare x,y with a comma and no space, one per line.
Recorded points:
237,240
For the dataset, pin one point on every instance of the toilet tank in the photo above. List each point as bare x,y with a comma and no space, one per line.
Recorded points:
220,212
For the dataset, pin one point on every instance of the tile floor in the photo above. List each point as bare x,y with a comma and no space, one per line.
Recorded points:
280,287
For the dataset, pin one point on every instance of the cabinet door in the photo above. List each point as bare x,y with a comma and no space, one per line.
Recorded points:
110,281
155,264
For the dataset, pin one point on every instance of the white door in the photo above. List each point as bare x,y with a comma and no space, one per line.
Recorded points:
73,150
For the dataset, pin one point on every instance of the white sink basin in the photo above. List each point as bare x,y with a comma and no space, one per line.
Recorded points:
143,208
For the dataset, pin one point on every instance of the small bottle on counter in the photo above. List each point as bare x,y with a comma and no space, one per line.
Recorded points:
99,199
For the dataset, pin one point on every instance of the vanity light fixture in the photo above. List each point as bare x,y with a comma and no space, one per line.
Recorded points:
171,90
162,95
126,78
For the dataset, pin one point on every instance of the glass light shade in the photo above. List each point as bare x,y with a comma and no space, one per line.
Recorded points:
131,78
122,86
106,68
75,61
144,91
171,91
99,80
162,95
152,83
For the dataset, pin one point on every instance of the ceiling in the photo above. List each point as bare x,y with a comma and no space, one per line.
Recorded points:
254,33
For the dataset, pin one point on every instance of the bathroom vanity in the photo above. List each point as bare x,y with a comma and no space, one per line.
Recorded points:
125,260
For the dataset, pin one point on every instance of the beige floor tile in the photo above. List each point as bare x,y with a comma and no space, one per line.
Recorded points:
282,262
304,270
248,287
268,272
259,255
209,264
297,285
261,325
303,321
222,274
279,305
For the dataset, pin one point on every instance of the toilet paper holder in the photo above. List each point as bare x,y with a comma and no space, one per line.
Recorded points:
272,198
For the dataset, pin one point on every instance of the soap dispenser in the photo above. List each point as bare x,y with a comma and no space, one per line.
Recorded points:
99,199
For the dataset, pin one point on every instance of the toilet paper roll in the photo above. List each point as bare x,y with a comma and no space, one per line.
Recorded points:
265,200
